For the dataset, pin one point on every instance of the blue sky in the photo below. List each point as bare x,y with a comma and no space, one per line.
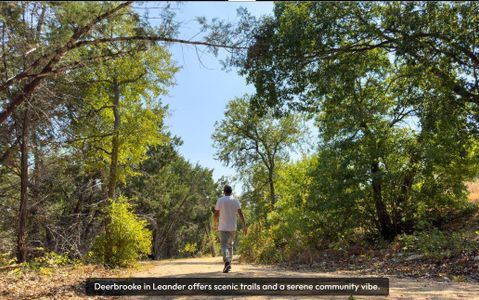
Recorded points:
203,88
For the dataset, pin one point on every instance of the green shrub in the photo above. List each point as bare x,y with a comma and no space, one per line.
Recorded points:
436,244
259,245
189,249
251,244
128,239
47,263
7,259
50,260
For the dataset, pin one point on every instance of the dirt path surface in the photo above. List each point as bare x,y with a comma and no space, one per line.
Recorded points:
399,288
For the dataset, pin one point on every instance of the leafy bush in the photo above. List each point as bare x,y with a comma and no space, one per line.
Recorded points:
436,244
189,249
293,228
258,246
47,263
49,260
129,239
6,259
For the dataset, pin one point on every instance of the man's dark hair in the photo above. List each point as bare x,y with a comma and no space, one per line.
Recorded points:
228,190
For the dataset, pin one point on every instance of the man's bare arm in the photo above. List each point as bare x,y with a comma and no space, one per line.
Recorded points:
245,229
216,218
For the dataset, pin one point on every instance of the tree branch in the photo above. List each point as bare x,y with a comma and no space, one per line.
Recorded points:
62,50
53,59
155,39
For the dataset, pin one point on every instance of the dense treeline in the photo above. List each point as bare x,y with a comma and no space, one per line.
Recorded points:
82,135
393,90
88,169
178,197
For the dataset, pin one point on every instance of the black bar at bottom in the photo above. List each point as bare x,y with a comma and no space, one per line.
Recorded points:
287,286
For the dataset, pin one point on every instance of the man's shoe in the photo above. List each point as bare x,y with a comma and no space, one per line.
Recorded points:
227,267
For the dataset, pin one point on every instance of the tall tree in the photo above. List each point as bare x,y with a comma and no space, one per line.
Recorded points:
65,31
130,113
244,138
58,62
369,71
289,51
128,116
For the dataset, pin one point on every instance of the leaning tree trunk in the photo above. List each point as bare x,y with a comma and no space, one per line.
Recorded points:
23,213
384,220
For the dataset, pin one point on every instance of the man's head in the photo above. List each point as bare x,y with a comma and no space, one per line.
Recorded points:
228,190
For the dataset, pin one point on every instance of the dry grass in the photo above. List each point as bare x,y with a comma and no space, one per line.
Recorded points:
59,283
473,188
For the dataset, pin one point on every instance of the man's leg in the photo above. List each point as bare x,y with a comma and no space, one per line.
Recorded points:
228,256
224,245
231,238
224,239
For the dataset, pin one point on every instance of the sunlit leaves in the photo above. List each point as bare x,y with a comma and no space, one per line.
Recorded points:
143,77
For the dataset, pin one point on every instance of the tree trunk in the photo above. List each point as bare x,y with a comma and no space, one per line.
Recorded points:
401,202
23,213
168,248
271,188
113,168
37,214
77,213
49,242
385,226
114,142
155,247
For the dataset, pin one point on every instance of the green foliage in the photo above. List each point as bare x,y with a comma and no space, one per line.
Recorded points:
392,88
256,144
395,149
244,138
130,239
258,245
292,227
294,52
177,196
436,244
387,86
77,64
6,259
190,249
45,264
49,260
313,214
142,78
389,90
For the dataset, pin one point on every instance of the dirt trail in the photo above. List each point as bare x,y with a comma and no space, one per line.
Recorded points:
400,288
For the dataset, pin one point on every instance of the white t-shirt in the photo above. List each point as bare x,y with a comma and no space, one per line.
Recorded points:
228,207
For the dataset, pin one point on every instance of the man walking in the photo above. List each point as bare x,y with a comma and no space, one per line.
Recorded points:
225,211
